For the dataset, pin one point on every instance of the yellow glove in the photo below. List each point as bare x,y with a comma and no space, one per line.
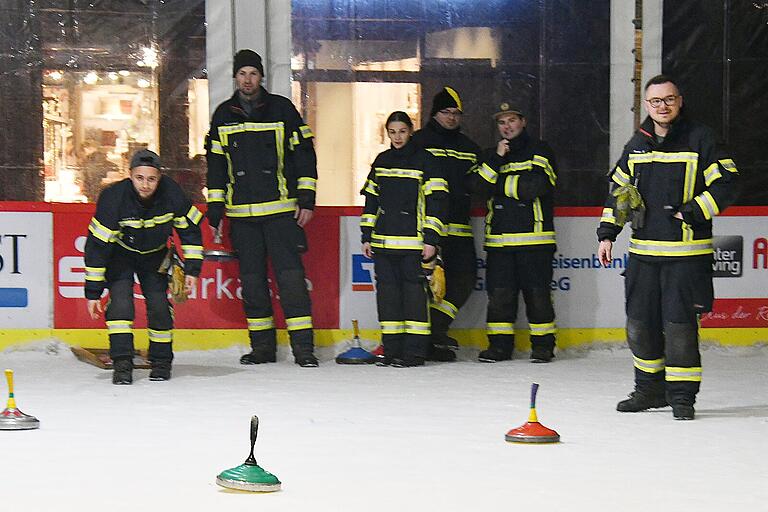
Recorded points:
176,283
629,205
435,274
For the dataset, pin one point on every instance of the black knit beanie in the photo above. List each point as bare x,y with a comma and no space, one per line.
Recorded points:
446,98
247,58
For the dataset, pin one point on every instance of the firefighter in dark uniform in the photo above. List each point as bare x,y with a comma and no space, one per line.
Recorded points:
402,224
129,235
456,156
262,173
677,179
519,175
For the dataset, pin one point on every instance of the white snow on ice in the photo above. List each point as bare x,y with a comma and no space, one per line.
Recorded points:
347,438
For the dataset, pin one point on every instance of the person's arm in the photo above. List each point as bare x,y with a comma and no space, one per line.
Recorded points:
186,222
485,175
720,179
435,191
216,177
368,219
302,153
102,233
608,228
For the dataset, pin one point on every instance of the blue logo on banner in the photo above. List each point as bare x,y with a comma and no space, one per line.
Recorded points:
14,298
362,275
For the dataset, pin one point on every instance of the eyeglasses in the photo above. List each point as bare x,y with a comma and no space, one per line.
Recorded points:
668,101
454,113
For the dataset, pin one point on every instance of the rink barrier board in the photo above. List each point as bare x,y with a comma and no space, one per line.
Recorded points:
213,339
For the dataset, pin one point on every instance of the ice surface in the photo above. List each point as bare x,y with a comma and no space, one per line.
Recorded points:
348,438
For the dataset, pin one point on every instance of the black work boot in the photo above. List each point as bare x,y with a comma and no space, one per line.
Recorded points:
494,353
442,340
259,355
683,412
303,356
540,354
122,372
442,354
408,361
161,370
642,401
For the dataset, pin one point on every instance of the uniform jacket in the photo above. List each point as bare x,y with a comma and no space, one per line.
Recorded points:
405,200
521,186
456,156
260,164
686,172
122,223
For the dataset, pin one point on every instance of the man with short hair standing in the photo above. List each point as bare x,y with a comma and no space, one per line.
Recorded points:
262,173
456,156
519,175
676,179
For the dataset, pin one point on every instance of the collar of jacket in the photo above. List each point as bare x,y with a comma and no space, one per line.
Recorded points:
519,142
438,128
236,107
407,150
676,129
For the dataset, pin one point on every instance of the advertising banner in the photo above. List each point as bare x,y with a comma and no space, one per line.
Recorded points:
25,270
216,303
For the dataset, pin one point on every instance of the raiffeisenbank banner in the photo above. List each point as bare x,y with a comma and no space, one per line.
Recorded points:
586,294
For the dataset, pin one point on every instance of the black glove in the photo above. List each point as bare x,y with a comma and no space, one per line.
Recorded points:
214,214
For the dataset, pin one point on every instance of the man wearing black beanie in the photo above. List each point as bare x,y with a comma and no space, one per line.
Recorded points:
262,174
456,155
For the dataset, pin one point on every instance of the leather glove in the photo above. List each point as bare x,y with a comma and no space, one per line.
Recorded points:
629,206
214,214
435,273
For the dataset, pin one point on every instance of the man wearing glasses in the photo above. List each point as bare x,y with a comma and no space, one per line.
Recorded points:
456,156
684,179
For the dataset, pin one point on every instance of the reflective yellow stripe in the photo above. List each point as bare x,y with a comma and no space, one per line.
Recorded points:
95,273
102,232
455,97
510,186
416,327
147,223
367,220
434,224
388,327
492,328
608,216
620,177
398,173
160,336
306,132
487,173
711,174
518,239
435,185
195,215
542,329
261,209
119,326
307,184
666,248
682,374
728,165
180,222
216,147
525,165
707,204
459,230
649,365
397,242
215,195
538,216
544,163
298,323
192,252
445,307
261,324
371,187
294,140
450,153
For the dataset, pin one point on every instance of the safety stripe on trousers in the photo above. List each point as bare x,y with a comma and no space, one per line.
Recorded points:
261,324
682,374
542,329
492,328
119,326
649,365
416,327
298,323
392,327
156,336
